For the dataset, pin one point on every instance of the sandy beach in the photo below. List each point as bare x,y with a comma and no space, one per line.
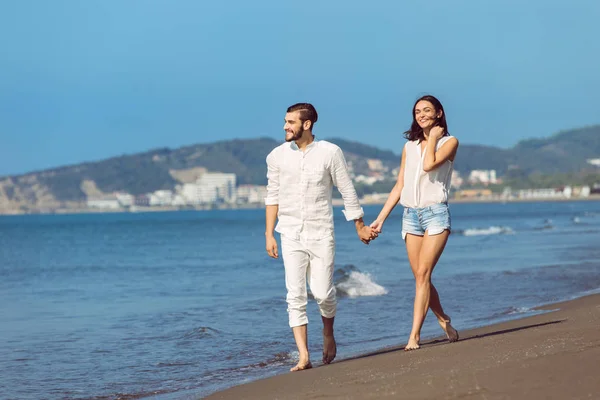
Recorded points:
555,355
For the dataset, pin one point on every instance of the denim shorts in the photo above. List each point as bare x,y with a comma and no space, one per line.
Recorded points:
434,219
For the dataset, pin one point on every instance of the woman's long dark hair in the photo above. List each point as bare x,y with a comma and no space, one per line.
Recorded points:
416,132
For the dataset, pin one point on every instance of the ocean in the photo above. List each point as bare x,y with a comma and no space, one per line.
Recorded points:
177,305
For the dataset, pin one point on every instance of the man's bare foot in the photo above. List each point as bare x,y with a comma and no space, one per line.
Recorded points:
413,344
451,333
301,366
329,349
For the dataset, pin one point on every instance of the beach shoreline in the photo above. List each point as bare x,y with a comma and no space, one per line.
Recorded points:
336,203
550,355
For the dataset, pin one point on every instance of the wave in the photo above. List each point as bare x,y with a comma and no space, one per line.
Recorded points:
546,226
492,230
200,333
351,282
517,310
509,312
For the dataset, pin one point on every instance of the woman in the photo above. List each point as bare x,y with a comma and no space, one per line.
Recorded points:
422,188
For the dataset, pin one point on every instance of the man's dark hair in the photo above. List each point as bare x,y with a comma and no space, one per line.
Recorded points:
307,112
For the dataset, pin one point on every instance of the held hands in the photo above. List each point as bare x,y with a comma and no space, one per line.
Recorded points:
365,233
272,246
377,225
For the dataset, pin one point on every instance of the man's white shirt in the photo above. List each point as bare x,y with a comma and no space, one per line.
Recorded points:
301,182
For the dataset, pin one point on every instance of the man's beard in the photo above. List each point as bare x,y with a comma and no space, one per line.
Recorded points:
296,136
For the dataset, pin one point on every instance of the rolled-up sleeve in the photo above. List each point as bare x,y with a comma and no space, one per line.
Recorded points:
272,198
341,179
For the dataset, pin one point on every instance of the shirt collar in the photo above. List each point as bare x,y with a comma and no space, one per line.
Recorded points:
295,147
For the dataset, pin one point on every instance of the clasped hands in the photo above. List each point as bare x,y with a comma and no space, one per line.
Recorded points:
366,233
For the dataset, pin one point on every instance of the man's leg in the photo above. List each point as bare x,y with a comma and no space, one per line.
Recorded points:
322,254
295,261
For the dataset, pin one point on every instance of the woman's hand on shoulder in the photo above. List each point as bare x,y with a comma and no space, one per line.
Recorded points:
436,132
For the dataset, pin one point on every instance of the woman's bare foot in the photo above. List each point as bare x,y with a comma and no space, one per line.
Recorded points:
451,333
329,349
413,344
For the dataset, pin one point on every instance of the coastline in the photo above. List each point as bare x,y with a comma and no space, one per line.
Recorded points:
336,202
553,355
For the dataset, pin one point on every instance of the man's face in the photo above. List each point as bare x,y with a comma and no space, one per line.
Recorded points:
294,126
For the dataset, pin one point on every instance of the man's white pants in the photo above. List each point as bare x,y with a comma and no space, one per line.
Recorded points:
312,260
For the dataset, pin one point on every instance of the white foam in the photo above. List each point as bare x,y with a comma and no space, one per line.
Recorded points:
359,284
492,230
520,310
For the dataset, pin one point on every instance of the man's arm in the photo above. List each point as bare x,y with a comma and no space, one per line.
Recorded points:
271,242
352,209
272,205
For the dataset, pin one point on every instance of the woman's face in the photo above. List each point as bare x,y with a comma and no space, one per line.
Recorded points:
426,115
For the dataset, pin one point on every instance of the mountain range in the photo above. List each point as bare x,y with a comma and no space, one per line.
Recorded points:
163,168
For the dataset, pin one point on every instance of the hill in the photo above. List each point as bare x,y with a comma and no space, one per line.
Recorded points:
164,168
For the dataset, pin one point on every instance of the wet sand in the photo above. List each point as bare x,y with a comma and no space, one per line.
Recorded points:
551,356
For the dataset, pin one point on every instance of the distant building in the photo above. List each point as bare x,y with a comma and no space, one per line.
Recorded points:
178,200
125,199
580,191
547,193
485,176
109,202
161,198
142,200
456,181
473,194
375,164
211,187
251,194
369,180
594,161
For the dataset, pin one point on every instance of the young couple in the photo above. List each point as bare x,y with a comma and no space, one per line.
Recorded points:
301,174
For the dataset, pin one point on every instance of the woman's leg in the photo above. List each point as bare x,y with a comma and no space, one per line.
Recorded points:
424,252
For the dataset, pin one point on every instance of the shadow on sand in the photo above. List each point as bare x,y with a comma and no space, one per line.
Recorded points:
468,336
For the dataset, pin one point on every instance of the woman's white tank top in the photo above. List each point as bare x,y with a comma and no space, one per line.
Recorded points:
422,189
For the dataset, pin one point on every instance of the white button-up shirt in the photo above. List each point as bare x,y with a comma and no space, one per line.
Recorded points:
422,189
301,183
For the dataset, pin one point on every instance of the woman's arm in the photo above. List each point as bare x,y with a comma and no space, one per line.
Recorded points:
447,151
393,197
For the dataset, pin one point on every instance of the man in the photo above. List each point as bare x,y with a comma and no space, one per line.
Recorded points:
301,174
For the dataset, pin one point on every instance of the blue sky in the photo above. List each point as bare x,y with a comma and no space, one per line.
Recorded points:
87,80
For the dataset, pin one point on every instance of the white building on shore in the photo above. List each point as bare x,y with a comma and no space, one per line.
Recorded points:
161,198
211,187
108,202
594,161
485,176
251,194
125,199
